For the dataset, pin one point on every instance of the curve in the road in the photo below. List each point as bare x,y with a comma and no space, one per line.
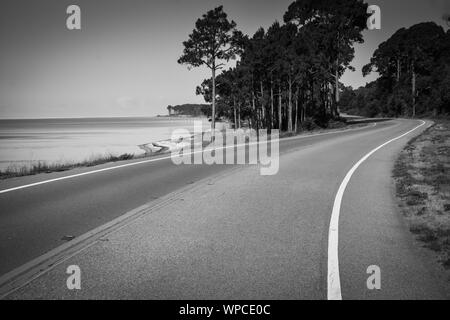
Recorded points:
157,159
333,278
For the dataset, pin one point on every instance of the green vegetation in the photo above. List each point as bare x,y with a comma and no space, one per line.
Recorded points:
414,68
422,175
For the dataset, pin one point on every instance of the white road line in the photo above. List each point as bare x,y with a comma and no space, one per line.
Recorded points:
159,159
333,280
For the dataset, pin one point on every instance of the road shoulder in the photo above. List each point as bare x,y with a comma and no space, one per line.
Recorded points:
422,181
374,233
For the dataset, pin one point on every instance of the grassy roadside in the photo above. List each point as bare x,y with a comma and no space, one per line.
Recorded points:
422,177
45,167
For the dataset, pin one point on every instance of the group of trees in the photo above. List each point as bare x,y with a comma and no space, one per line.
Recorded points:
194,110
414,69
287,76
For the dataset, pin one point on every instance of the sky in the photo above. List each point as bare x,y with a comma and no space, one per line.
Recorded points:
123,61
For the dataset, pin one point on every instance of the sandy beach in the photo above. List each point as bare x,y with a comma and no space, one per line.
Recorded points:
57,141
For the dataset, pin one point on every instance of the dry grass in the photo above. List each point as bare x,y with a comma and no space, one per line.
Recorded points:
44,167
422,174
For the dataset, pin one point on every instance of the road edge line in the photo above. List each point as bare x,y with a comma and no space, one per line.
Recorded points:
333,277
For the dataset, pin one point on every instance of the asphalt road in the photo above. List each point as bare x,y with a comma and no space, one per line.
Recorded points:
262,236
35,220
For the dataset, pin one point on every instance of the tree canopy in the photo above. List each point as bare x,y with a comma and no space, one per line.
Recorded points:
212,43
414,68
287,76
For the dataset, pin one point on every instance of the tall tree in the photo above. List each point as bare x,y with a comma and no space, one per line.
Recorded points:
212,43
342,23
253,60
414,53
294,67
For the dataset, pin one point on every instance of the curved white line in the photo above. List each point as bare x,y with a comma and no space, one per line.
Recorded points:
333,280
161,158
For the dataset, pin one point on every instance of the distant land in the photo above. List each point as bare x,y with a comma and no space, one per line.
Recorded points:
194,110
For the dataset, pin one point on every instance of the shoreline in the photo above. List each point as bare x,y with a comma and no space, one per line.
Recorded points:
43,167
102,117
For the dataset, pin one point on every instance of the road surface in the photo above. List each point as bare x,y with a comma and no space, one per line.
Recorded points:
238,235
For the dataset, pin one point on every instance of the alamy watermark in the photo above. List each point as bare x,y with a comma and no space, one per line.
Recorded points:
228,147
73,21
73,282
374,21
374,280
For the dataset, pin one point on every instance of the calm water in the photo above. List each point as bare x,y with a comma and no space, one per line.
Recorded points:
23,142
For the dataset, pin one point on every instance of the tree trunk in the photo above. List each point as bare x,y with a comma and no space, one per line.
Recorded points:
305,106
296,112
336,105
254,106
290,105
235,116
323,99
263,107
255,110
271,104
213,119
398,70
413,82
301,102
239,116
280,116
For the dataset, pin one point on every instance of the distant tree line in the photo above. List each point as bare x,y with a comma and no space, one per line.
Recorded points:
194,110
287,76
414,69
